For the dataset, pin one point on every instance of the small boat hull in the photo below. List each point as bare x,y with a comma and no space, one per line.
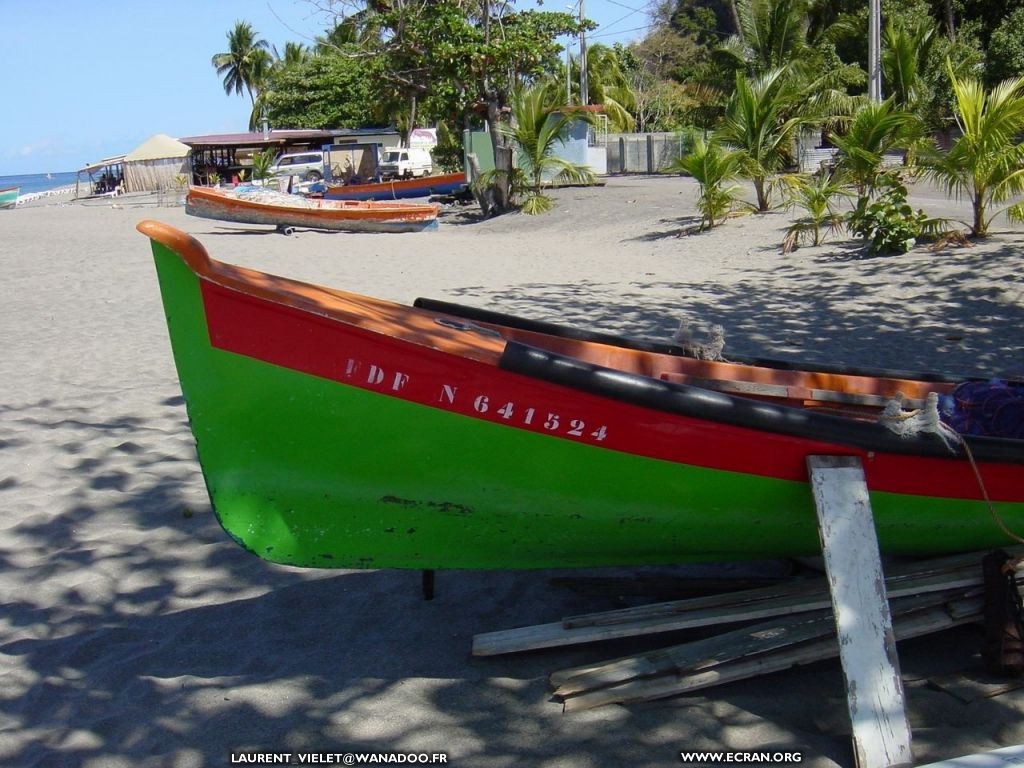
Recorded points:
348,216
342,431
400,189
9,197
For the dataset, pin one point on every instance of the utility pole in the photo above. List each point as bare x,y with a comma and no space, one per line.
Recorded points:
568,77
874,49
584,93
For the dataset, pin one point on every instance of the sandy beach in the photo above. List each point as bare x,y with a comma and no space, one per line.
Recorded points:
133,632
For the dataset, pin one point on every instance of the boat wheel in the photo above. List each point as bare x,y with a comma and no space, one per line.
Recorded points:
286,230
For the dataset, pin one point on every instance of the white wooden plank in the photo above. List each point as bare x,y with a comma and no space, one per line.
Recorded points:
867,647
997,758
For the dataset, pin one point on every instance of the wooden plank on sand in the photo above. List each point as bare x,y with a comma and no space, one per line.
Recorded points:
765,637
649,689
689,614
970,689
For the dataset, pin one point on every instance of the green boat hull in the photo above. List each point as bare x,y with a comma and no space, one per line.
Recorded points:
308,471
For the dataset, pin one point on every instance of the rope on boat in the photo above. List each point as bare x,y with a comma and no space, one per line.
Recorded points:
991,507
709,350
926,419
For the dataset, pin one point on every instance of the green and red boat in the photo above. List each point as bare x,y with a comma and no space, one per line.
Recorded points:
338,430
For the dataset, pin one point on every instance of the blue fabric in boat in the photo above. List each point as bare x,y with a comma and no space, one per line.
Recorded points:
989,408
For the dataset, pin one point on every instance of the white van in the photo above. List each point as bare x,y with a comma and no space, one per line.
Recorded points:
405,162
308,166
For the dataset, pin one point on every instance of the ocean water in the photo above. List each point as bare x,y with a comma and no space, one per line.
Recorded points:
38,182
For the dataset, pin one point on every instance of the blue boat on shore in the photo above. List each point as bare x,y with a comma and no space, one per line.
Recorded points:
397,189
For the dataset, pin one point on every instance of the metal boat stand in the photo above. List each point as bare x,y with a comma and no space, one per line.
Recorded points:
428,584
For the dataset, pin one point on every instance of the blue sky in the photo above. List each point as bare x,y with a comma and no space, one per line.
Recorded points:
87,79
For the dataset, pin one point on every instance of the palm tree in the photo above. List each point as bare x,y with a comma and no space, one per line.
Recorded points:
875,129
294,54
262,163
713,166
987,162
772,33
817,196
246,63
359,28
756,123
904,55
607,85
534,132
266,67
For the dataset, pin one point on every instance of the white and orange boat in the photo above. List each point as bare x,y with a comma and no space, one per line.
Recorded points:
253,205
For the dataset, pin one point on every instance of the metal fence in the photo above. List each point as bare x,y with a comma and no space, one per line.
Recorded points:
643,152
655,152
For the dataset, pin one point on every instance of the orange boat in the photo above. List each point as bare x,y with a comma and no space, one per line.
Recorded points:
422,186
254,205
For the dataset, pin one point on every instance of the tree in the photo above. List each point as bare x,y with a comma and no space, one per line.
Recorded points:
294,54
245,64
706,21
464,55
817,196
262,162
772,34
713,166
1006,48
756,123
986,162
906,46
535,130
607,84
661,105
329,90
876,128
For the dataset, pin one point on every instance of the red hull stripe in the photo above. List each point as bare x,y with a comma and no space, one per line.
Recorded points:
311,344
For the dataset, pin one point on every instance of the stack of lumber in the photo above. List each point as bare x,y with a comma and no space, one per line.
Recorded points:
794,626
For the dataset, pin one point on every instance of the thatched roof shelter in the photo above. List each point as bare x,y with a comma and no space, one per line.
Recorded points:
155,163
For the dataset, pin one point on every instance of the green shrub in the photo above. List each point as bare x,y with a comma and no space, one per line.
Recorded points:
887,223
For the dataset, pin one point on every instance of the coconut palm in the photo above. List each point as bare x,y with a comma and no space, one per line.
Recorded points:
534,131
817,196
262,162
713,166
294,54
607,85
875,129
986,162
904,55
772,33
246,63
356,29
756,123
